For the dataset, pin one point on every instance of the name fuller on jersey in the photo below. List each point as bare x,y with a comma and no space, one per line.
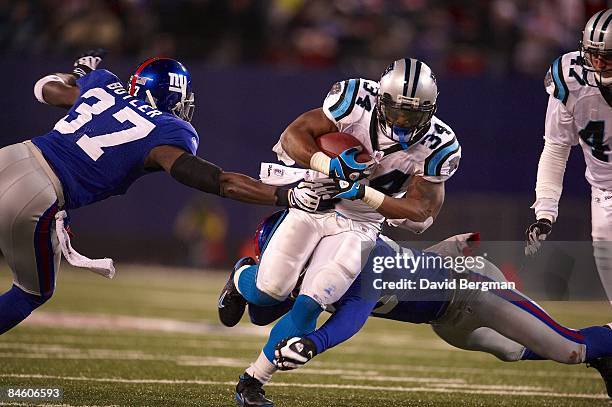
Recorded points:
119,90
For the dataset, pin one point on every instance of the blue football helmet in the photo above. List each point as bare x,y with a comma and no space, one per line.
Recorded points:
165,84
265,230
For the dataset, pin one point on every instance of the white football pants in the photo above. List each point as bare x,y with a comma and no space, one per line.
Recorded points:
336,246
601,220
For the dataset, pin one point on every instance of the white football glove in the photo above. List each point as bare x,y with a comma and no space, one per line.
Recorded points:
313,196
88,62
293,353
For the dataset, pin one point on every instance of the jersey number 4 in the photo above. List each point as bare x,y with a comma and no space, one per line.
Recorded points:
593,135
93,145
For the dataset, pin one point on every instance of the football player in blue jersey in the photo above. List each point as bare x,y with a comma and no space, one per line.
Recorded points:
500,321
110,137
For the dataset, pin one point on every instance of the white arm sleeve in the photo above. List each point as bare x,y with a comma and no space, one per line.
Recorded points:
549,184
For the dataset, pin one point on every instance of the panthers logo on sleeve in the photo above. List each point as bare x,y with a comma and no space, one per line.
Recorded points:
566,79
350,101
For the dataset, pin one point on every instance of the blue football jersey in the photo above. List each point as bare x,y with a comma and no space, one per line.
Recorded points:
415,305
98,149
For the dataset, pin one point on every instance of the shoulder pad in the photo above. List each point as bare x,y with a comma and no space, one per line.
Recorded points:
344,93
344,96
565,77
97,78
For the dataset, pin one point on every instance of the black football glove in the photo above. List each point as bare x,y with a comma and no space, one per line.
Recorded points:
294,352
349,190
88,62
535,234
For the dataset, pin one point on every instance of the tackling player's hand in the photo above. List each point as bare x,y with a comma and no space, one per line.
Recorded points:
346,167
313,196
88,62
535,234
294,352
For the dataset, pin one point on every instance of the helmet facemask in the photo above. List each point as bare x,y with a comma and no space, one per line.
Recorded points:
598,61
185,108
405,117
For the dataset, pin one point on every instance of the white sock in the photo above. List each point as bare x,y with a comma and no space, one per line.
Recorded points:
262,369
237,276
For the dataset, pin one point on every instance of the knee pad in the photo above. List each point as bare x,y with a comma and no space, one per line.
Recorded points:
330,283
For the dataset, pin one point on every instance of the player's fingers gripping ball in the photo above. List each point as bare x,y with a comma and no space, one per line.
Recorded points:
345,166
294,352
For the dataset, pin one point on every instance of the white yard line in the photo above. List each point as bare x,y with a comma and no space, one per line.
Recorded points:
437,382
317,386
106,321
127,323
508,369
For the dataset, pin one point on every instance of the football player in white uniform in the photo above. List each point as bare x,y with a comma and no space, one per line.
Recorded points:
415,153
579,112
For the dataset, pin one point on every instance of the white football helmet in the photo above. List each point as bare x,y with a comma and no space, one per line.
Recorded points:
406,99
596,46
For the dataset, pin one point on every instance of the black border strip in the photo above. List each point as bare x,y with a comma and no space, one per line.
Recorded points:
417,73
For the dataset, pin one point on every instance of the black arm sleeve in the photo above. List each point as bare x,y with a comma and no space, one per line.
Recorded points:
197,173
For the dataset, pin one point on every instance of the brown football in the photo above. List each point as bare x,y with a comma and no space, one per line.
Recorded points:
332,144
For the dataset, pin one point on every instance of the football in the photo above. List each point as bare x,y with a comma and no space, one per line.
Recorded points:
333,144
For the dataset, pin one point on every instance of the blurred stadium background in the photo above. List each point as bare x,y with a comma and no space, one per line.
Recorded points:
256,65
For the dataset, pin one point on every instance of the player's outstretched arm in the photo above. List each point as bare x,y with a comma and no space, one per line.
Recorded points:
60,89
200,174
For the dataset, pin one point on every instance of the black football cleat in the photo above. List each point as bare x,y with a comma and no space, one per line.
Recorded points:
231,303
604,367
249,393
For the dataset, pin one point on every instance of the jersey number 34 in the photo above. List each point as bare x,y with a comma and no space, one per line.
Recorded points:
93,145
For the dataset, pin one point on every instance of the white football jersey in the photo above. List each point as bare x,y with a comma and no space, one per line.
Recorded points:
579,113
434,155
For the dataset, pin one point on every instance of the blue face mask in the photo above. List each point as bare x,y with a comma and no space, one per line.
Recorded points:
402,136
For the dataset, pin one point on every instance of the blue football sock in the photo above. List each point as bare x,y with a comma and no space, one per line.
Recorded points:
528,354
15,306
247,285
301,320
598,341
266,315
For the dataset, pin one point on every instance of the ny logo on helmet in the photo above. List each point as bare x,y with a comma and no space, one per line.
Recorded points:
178,83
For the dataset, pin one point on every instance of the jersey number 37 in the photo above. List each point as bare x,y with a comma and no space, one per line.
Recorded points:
93,145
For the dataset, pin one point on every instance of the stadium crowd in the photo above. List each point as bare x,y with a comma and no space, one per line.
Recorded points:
467,37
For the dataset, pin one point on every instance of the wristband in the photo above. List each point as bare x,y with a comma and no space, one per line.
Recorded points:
320,162
373,198
38,86
282,197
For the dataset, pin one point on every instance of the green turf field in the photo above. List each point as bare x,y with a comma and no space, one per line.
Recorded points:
150,337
